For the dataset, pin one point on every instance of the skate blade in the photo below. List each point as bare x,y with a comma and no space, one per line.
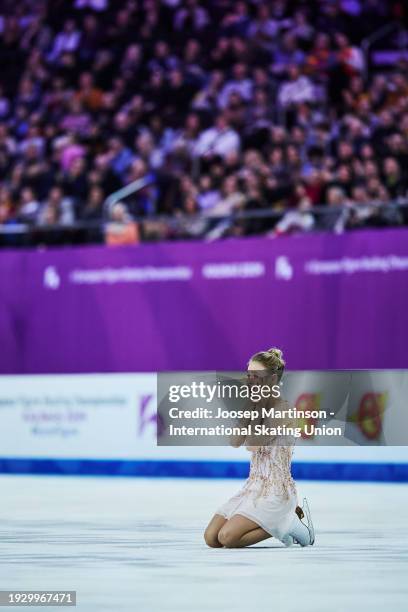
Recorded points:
309,521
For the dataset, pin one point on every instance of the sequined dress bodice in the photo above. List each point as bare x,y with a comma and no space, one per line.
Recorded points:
270,472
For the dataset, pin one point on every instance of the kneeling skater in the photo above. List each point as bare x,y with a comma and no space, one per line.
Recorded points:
267,504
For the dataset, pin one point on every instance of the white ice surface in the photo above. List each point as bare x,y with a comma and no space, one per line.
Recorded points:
136,545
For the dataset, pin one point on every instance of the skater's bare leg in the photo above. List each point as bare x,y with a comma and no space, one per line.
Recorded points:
213,529
240,531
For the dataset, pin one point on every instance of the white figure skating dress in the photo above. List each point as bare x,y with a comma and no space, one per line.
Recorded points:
269,496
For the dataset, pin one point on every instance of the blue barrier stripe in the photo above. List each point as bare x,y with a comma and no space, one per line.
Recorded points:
367,472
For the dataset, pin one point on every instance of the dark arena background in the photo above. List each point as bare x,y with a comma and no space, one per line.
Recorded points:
183,184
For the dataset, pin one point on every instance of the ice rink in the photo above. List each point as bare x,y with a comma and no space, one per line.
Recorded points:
136,545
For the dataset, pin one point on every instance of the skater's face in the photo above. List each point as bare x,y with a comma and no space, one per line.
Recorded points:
256,371
260,374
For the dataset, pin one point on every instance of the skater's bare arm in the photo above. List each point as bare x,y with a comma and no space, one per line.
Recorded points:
254,441
239,440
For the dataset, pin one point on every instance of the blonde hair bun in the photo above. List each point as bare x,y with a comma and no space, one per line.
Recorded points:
272,359
275,352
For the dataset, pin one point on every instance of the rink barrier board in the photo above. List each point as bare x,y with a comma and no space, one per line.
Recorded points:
358,472
243,274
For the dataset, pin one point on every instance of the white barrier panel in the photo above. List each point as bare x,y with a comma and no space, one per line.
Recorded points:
113,417
109,416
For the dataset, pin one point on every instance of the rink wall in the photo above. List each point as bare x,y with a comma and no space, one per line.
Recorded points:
329,301
105,424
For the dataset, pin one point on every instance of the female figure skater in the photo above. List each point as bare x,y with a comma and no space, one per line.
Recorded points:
267,504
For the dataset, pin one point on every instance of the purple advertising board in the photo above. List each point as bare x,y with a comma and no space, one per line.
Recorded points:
329,301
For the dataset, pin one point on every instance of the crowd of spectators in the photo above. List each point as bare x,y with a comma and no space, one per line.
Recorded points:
224,106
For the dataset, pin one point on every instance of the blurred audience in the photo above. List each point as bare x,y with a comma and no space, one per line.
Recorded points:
223,105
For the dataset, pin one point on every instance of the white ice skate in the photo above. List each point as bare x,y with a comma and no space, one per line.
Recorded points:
300,532
287,540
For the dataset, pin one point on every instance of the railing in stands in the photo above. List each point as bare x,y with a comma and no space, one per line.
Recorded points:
126,191
20,234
